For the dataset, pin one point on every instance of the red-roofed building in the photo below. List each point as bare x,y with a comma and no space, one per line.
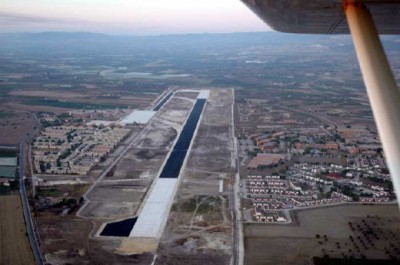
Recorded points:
334,175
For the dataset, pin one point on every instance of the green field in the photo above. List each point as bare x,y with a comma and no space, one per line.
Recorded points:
8,153
68,105
4,114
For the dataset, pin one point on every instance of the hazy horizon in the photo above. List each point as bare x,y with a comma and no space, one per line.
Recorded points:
123,17
141,35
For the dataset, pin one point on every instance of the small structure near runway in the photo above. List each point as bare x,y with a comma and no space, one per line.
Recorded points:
138,116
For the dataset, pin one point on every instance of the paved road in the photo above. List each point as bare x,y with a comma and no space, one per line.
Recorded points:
25,205
238,245
24,197
31,134
9,147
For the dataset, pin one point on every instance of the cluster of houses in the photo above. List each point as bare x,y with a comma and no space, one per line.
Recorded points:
270,194
268,142
320,202
73,150
264,190
379,195
302,188
260,215
322,162
327,174
278,139
341,196
374,199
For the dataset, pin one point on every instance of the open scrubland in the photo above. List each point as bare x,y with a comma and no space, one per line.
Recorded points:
14,126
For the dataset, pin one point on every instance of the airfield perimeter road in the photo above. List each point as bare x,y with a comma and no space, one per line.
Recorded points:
237,234
25,202
33,132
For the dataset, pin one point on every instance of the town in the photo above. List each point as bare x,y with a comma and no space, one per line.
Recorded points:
295,159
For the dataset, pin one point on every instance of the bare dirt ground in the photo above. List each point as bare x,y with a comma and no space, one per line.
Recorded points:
139,164
191,95
88,95
175,112
198,230
199,225
159,136
14,244
67,242
211,150
48,94
29,108
212,140
331,231
14,126
123,203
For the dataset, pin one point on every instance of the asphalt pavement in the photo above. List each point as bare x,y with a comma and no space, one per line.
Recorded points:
24,198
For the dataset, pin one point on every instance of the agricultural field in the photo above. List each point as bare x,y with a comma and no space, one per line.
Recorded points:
350,231
14,244
14,126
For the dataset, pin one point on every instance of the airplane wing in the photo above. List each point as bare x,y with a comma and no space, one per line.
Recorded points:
323,16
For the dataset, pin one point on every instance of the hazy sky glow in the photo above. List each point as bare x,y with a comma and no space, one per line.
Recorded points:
139,17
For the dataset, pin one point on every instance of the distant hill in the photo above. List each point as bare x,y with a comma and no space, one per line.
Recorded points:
82,40
185,45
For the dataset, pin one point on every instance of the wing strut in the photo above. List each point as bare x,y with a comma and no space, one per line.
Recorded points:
382,89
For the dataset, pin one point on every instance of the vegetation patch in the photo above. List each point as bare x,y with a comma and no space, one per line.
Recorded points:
51,192
68,105
337,261
8,153
4,114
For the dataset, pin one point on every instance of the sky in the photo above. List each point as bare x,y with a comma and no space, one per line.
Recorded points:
128,17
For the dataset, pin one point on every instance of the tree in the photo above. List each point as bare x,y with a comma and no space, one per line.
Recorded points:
390,186
42,166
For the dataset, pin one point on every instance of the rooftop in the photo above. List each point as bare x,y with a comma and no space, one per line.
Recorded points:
265,160
7,172
8,161
138,116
